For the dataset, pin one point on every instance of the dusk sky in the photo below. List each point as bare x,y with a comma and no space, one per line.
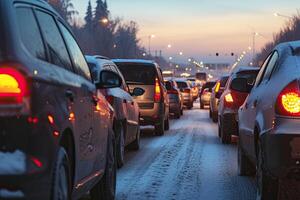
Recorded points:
200,28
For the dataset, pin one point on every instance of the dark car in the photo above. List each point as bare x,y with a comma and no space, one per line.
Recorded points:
175,98
231,100
56,139
217,91
269,119
127,113
186,91
154,103
205,93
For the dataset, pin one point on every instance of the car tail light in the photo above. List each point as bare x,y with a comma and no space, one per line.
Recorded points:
288,101
172,92
228,98
187,90
13,86
157,91
217,88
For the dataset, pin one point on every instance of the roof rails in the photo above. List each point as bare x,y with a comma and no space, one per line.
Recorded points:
101,57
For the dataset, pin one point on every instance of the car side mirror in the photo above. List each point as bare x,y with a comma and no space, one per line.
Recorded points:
241,85
137,92
108,79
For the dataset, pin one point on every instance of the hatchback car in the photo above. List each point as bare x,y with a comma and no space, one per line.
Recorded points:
217,91
269,123
186,91
205,93
175,98
231,100
56,139
127,113
154,103
195,88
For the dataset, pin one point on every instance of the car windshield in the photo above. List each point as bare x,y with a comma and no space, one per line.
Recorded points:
136,74
182,84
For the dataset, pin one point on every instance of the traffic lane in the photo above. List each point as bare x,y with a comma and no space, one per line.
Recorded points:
188,162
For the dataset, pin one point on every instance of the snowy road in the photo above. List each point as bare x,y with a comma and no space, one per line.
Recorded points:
189,162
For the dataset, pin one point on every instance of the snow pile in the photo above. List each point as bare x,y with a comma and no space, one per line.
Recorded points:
11,194
12,163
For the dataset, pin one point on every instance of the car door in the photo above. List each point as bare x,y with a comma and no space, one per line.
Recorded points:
253,102
91,138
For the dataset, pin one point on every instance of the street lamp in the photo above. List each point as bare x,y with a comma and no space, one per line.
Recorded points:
104,21
150,37
169,46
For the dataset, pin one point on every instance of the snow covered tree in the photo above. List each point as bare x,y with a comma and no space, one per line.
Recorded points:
65,8
89,16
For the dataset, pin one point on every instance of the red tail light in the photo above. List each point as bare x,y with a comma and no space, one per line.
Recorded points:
288,101
13,86
157,91
172,92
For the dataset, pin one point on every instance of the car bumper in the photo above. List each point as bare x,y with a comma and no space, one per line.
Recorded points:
152,116
175,107
230,119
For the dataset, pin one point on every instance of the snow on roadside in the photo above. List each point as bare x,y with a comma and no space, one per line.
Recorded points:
12,163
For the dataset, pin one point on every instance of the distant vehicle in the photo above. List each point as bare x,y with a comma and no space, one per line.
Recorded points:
186,90
57,140
269,124
217,91
127,113
154,103
205,93
231,100
202,77
195,87
175,98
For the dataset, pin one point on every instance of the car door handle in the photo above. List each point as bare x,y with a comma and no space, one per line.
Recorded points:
70,95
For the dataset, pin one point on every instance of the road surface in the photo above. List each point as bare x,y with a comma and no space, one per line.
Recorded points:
187,163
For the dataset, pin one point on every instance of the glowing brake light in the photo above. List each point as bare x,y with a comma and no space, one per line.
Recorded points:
12,86
217,88
228,98
157,91
288,101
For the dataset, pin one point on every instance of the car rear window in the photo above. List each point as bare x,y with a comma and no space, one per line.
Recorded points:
138,74
182,84
249,75
223,81
209,85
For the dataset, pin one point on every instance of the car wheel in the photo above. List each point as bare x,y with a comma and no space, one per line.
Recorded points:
160,128
61,189
219,128
201,105
245,167
167,124
225,133
214,117
135,145
210,113
105,189
267,187
120,149
178,114
181,111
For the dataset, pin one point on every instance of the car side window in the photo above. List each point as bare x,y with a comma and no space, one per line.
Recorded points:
272,63
77,56
29,29
262,70
57,49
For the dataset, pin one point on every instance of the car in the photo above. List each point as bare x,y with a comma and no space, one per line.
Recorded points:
175,98
195,88
231,100
269,123
215,97
154,103
127,113
186,91
56,139
205,93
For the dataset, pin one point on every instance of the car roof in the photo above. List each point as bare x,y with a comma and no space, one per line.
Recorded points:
244,68
101,60
140,61
293,45
181,80
40,3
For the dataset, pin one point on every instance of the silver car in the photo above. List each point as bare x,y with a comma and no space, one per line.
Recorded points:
269,123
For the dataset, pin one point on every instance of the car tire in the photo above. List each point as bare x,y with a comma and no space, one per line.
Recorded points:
135,145
160,129
178,115
267,187
245,167
214,117
61,183
105,189
225,133
219,128
120,147
210,113
201,105
167,124
181,111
